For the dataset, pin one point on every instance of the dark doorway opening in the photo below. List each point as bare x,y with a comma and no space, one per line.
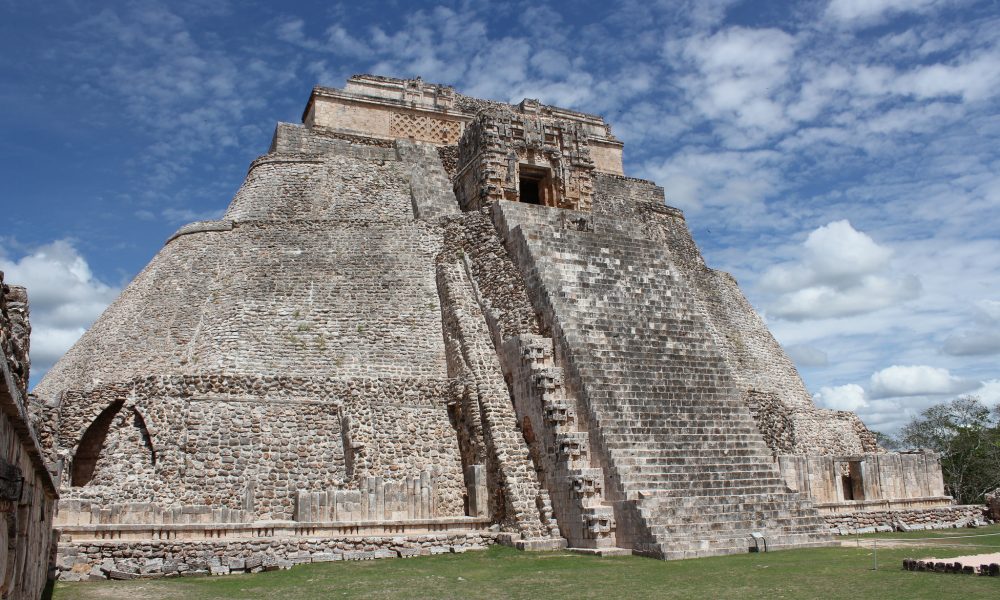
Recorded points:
530,192
533,185
848,487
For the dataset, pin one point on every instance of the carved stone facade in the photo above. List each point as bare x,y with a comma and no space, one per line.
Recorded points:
428,315
524,156
27,490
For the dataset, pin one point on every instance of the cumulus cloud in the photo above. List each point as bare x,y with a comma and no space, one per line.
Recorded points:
842,397
894,395
916,380
841,272
64,298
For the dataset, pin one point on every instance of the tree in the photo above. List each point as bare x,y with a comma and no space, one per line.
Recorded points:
967,437
887,441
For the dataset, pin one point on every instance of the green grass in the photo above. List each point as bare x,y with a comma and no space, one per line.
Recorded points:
504,573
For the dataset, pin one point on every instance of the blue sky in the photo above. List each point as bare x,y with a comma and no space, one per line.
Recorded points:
840,157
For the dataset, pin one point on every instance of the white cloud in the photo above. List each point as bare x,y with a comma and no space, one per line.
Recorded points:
973,80
989,392
64,298
841,272
842,397
869,12
916,380
990,309
173,82
735,183
898,393
738,75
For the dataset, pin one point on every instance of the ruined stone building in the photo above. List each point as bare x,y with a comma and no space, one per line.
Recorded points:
436,322
27,490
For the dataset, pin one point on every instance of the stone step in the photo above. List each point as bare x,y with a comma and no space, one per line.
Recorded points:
782,513
662,410
684,549
699,433
677,442
658,393
664,417
669,449
710,530
688,481
700,488
718,460
785,516
705,470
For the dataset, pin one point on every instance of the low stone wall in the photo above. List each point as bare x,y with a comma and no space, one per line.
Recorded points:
879,477
98,560
81,512
986,569
411,498
869,521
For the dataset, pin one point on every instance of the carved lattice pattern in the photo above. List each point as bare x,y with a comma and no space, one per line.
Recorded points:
424,128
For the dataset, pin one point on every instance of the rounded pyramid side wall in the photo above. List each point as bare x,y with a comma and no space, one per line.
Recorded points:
298,349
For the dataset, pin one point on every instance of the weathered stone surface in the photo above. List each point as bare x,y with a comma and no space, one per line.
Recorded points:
27,490
424,313
993,505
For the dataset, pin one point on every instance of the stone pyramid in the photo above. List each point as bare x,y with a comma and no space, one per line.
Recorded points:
424,312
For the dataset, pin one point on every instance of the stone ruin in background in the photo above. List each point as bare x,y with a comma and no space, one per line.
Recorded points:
429,322
27,490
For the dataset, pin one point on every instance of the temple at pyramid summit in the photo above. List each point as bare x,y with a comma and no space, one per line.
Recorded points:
429,323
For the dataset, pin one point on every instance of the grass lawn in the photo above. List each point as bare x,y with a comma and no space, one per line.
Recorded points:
504,573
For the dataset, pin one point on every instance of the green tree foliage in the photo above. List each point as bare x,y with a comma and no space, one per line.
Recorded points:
887,441
967,437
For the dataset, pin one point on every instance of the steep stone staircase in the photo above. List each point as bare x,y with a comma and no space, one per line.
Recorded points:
688,471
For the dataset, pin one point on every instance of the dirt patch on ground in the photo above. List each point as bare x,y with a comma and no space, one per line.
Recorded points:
973,560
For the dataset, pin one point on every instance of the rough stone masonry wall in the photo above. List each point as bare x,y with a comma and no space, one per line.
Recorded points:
491,306
27,491
516,492
293,138
867,477
351,291
869,521
99,560
472,240
276,436
297,348
772,388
